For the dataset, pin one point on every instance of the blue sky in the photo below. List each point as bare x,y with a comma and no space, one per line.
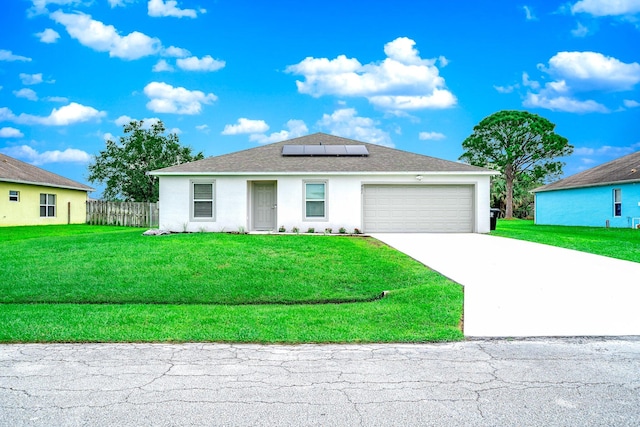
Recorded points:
229,75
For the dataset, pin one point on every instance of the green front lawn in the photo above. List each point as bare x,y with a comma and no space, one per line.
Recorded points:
621,243
109,284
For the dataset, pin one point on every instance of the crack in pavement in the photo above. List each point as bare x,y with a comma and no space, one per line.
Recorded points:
479,382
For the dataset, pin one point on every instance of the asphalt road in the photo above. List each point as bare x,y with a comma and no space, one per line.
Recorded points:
534,382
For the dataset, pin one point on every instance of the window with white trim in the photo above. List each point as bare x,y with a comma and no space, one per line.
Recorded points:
315,200
202,200
14,196
47,205
617,202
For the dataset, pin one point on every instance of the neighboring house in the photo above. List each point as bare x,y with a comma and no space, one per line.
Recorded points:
322,181
32,196
604,196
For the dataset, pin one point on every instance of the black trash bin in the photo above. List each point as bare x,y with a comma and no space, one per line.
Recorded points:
495,213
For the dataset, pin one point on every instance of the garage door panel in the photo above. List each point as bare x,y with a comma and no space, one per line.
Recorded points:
418,208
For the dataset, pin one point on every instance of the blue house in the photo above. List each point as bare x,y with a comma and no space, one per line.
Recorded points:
604,196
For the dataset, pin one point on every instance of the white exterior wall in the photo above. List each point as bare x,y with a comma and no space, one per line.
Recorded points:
344,200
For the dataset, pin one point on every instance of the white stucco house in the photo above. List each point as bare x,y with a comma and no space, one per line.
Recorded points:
323,181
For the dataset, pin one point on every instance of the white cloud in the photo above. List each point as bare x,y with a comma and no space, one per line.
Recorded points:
563,103
203,128
175,52
528,11
57,99
162,65
506,89
123,120
9,132
116,3
70,114
105,38
7,55
593,70
63,116
401,81
526,81
431,136
40,6
48,36
147,122
31,79
630,103
606,151
177,100
25,93
295,128
607,7
578,73
207,63
580,30
346,123
245,125
70,155
163,8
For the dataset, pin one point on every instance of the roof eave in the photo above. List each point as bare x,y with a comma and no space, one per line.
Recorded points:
427,173
45,184
572,187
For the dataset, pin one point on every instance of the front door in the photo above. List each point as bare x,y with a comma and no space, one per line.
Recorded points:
264,205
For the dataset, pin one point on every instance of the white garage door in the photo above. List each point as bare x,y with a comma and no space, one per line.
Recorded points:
418,208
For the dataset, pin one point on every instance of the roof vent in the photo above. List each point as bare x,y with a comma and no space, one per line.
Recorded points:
325,150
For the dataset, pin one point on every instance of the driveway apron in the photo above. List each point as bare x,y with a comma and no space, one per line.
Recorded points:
514,288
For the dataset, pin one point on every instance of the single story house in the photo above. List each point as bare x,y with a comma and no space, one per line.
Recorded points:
604,196
33,196
323,181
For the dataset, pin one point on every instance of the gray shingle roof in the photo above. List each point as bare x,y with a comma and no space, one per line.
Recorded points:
624,169
269,159
13,170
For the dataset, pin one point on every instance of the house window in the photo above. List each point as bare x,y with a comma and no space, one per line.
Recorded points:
47,205
14,196
617,202
202,196
315,200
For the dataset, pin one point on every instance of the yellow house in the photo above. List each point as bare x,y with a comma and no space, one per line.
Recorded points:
33,196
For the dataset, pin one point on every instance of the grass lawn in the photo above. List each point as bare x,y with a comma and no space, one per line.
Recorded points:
109,284
621,243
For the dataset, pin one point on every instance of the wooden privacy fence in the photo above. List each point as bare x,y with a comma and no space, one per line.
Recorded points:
128,214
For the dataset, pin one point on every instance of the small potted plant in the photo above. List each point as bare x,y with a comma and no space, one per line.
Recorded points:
295,230
342,230
311,230
328,230
282,229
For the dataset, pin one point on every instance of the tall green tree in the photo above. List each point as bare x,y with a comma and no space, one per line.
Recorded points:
520,145
124,164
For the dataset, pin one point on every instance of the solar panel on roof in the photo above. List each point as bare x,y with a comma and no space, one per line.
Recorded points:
314,150
293,150
325,150
357,150
335,150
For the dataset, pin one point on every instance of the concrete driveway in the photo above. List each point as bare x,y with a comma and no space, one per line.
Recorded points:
514,288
